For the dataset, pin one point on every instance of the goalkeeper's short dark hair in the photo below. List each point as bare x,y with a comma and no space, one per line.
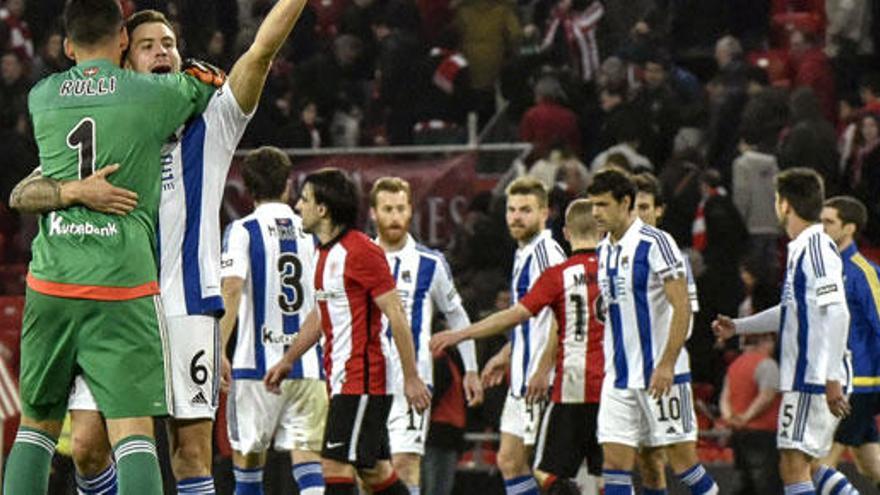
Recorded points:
89,22
146,16
265,171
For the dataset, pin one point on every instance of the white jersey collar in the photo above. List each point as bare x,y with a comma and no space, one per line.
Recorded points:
274,207
540,236
805,235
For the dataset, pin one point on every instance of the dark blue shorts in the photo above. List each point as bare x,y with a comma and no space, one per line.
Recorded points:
860,427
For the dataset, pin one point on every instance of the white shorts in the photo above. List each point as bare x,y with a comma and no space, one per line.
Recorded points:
520,419
194,347
294,419
632,417
805,424
407,429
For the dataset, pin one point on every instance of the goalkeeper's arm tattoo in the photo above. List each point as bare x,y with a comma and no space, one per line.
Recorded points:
36,194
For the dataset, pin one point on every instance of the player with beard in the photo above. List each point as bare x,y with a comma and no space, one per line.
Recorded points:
194,171
568,430
526,215
424,283
353,289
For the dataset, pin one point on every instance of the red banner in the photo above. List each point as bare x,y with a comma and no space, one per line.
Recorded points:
442,188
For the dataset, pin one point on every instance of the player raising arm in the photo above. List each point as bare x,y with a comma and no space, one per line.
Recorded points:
194,169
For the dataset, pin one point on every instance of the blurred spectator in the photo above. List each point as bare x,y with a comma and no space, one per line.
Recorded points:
399,49
660,106
718,233
570,37
727,99
679,181
332,79
757,80
18,149
748,21
490,34
560,164
621,20
328,16
51,58
444,93
612,100
445,440
869,92
436,18
14,85
759,288
750,405
216,52
628,128
20,39
753,189
810,68
694,25
729,58
849,28
306,129
811,140
863,170
548,123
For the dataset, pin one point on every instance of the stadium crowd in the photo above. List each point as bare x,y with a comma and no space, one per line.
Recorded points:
711,98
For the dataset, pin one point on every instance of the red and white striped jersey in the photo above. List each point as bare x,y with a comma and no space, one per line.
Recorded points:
351,272
571,289
576,33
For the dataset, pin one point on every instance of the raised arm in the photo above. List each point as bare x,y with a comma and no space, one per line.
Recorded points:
248,75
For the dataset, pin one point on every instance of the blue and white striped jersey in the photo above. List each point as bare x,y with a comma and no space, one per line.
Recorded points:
812,347
193,179
424,283
632,272
276,259
529,338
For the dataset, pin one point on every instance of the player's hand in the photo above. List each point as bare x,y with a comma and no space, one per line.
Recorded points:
95,193
473,389
225,374
736,422
495,370
837,401
536,390
724,328
417,394
661,381
441,340
204,72
276,374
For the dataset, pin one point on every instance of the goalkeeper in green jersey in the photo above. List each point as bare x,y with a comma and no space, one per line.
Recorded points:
92,305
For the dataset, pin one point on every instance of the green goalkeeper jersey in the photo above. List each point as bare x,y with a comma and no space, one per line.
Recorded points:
93,115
